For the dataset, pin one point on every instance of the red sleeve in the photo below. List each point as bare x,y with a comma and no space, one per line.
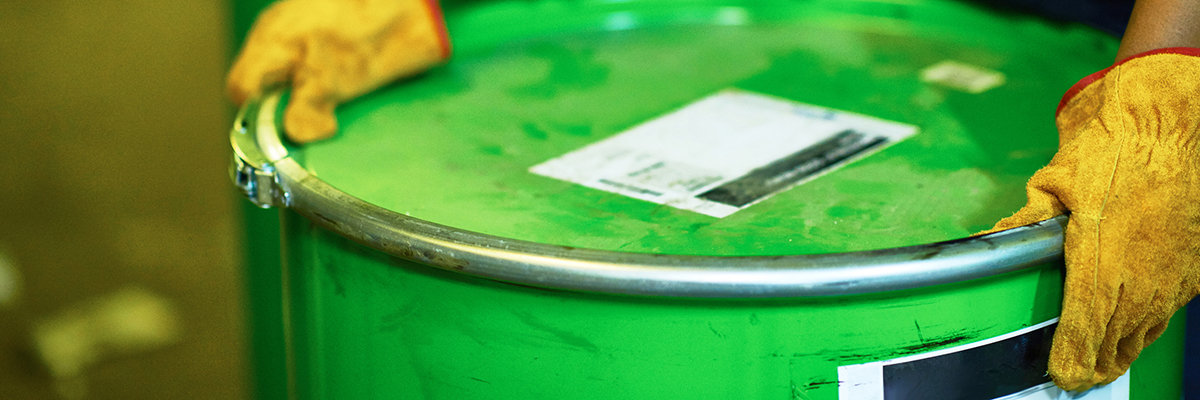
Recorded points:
439,23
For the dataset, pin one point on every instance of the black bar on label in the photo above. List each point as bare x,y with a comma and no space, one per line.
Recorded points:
982,373
786,171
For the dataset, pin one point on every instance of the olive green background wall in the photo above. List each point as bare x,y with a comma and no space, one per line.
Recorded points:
113,157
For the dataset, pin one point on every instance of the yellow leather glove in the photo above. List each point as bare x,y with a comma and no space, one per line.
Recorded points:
1128,172
334,50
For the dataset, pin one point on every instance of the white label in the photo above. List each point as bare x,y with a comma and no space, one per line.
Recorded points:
868,381
964,77
725,152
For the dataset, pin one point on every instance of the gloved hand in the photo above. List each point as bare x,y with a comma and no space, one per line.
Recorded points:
1128,172
333,51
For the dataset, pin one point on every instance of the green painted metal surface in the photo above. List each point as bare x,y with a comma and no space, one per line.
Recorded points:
262,260
534,80
365,325
264,302
531,81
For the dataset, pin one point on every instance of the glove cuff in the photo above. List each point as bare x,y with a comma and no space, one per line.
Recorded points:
439,23
1088,80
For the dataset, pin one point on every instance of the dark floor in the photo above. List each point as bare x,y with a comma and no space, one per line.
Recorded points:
113,157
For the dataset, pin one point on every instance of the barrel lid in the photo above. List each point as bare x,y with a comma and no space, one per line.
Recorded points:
533,81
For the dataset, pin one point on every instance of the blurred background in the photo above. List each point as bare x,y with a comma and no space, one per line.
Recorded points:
113,174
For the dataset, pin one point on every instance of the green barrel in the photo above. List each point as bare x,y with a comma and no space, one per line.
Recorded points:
455,240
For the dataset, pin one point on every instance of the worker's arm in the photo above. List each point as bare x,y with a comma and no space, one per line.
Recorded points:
1157,24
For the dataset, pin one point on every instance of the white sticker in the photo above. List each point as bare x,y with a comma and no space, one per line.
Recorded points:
725,152
964,77
1006,367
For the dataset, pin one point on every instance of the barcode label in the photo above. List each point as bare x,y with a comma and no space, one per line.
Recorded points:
725,152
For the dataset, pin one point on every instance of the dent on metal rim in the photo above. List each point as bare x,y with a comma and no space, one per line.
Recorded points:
257,148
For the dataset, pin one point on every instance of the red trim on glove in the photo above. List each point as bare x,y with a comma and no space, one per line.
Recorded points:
439,21
1088,80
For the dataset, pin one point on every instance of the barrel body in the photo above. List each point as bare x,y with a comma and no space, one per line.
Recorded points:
971,89
365,325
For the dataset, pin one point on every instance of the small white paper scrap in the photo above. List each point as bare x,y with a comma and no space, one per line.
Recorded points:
725,152
961,76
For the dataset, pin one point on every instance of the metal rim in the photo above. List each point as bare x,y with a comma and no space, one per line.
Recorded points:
277,180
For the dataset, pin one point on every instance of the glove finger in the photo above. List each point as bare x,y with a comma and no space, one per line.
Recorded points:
1124,335
1088,305
309,116
1136,252
262,63
1136,304
1154,333
260,68
1146,332
269,55
1130,347
1043,201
